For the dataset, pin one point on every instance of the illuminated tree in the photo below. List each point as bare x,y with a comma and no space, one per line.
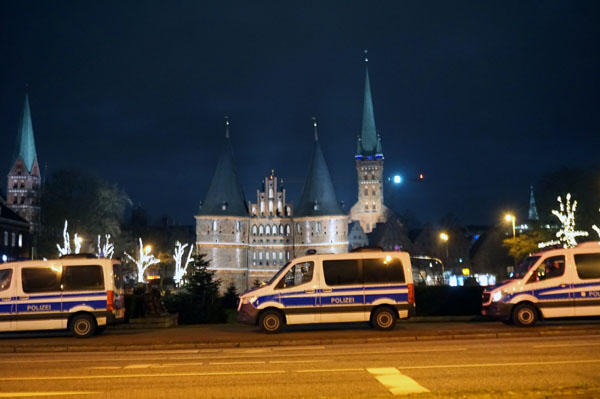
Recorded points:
178,255
106,250
66,248
567,234
144,260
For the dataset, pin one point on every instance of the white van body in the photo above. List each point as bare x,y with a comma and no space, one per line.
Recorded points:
375,287
562,282
80,293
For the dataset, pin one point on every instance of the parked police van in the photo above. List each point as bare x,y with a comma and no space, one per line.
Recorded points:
80,293
554,283
376,287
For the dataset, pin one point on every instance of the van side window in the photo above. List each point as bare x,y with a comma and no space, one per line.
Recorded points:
83,278
5,279
549,268
40,279
299,274
588,266
383,270
343,272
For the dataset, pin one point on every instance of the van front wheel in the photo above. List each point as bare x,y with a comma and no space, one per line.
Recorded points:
82,326
271,321
525,315
384,319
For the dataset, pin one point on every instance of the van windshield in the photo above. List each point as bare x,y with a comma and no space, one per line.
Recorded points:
523,268
276,276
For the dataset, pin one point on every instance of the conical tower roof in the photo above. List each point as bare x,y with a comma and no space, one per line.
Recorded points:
533,213
318,196
25,147
225,196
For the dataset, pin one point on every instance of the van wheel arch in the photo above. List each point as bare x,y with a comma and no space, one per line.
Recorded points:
385,323
82,324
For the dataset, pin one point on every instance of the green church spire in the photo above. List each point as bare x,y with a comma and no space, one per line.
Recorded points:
370,144
25,148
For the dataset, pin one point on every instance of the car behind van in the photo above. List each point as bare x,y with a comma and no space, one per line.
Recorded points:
375,287
555,283
83,294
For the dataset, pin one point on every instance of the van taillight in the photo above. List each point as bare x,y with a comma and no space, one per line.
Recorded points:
411,294
110,300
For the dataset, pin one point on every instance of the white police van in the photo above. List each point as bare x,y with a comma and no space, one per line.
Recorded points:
376,287
555,283
81,293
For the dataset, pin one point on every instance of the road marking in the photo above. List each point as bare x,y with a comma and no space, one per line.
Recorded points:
396,382
233,363
152,375
457,366
299,361
298,348
141,366
33,394
328,370
565,345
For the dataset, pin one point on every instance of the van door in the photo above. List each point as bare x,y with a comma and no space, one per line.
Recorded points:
7,298
297,290
586,290
342,296
39,302
550,283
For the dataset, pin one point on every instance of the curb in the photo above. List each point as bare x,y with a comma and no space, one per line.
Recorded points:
288,342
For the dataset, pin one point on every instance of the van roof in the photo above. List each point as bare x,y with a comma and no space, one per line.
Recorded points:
583,245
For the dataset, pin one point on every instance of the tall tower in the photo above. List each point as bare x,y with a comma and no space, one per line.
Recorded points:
369,209
222,222
533,213
24,179
320,223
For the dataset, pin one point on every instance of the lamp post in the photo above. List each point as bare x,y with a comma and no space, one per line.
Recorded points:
444,237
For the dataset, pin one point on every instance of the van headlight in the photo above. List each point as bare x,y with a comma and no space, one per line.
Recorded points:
497,296
249,299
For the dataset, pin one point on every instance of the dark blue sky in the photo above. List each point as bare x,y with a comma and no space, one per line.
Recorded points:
481,97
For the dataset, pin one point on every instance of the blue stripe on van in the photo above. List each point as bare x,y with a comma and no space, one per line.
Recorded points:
96,305
397,297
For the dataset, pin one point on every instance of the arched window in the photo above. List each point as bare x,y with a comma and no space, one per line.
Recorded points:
268,230
280,229
274,256
261,230
214,225
287,229
298,228
267,255
254,230
274,230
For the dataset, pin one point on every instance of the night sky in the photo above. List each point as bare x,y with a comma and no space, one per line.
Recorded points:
481,97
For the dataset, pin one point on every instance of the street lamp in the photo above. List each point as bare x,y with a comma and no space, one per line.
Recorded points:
444,237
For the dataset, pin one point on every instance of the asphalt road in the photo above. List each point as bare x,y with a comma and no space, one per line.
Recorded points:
536,367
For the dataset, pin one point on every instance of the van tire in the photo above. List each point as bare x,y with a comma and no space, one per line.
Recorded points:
525,315
384,318
271,321
82,326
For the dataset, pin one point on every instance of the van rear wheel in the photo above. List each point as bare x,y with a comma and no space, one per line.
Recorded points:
82,326
525,315
271,321
383,319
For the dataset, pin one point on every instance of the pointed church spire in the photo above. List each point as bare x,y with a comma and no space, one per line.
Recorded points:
369,131
533,213
225,196
318,196
314,119
25,148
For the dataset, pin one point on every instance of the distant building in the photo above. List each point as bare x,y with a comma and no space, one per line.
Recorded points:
24,178
246,241
369,209
15,235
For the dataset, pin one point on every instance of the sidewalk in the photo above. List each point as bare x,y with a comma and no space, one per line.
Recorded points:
238,336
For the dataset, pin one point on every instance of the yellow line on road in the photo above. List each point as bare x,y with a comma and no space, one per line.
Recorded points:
396,382
457,366
234,363
328,370
153,375
299,361
33,394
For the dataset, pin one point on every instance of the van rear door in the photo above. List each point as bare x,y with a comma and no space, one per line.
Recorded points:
7,298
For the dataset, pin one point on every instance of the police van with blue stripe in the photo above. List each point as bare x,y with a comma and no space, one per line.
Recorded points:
562,282
81,293
374,287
